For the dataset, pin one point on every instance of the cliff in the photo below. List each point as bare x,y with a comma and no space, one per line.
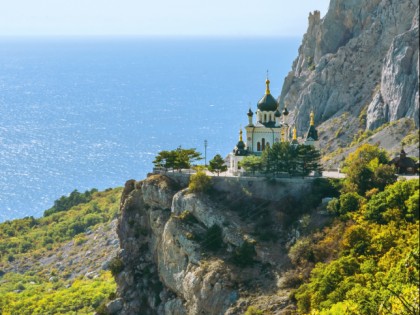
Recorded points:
216,253
357,68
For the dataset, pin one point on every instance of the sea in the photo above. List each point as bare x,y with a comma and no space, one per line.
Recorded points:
82,113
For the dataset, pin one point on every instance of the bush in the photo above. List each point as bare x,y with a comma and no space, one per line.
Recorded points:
244,254
301,251
349,202
116,266
252,310
199,182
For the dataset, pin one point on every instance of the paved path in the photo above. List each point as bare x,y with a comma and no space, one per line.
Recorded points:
326,174
333,174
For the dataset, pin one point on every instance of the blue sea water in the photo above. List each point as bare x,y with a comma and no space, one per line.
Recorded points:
79,113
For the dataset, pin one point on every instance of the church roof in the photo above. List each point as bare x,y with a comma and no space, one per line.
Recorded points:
312,133
240,149
267,102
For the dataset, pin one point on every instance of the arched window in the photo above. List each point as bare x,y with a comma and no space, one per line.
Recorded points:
263,144
265,117
258,146
268,145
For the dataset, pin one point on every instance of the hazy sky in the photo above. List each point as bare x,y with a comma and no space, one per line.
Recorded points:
157,17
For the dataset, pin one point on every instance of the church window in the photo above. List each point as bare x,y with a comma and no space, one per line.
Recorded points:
265,117
258,146
263,144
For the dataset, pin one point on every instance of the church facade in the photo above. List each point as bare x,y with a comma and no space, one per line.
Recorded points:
268,127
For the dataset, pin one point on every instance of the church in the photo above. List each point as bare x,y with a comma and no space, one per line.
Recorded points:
270,126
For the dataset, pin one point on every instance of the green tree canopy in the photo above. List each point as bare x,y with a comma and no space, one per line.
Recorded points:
286,158
177,159
367,168
217,165
307,159
251,163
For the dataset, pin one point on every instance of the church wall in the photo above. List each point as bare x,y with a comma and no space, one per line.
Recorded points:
255,135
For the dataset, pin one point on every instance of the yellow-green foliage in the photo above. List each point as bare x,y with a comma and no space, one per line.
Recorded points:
252,310
377,268
31,295
199,182
26,235
411,138
40,291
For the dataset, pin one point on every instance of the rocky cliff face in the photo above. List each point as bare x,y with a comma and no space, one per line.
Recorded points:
359,61
185,253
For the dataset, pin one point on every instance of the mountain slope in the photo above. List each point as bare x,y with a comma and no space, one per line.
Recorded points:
358,64
59,264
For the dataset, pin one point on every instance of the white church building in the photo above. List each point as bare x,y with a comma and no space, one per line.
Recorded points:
270,126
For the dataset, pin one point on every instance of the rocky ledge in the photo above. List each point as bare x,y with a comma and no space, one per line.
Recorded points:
188,253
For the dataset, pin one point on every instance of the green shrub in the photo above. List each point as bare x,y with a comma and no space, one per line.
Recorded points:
116,266
349,202
244,254
301,251
252,310
199,182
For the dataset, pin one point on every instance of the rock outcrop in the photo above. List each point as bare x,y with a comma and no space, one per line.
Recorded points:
186,253
359,60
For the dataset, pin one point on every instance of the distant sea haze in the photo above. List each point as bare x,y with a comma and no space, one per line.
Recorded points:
82,113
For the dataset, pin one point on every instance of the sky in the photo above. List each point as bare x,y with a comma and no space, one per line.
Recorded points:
157,17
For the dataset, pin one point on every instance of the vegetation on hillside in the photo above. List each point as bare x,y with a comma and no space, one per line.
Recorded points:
367,261
25,235
33,295
37,290
74,199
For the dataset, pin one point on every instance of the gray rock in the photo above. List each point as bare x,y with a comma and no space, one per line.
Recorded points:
115,306
360,55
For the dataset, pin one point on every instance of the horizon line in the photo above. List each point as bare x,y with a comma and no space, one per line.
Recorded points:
158,36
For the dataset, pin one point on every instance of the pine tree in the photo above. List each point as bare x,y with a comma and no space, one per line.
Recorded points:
217,165
307,160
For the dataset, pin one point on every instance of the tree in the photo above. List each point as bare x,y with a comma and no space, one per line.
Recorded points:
280,158
251,163
177,159
186,157
367,168
384,175
307,159
165,159
217,165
